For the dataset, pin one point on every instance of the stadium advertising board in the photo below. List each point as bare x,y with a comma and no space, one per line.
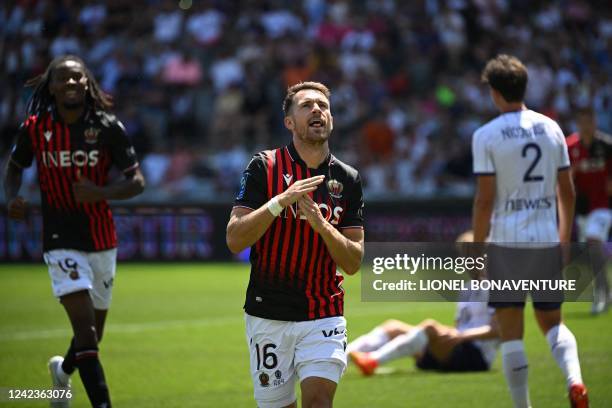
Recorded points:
197,233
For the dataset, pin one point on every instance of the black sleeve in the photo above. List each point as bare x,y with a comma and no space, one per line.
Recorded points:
22,153
252,192
122,152
354,212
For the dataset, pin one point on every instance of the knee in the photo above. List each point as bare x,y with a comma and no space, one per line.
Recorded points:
319,401
85,336
430,326
547,321
510,332
394,328
391,324
429,323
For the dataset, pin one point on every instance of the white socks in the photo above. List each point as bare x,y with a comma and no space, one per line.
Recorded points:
404,345
368,342
516,370
564,349
63,377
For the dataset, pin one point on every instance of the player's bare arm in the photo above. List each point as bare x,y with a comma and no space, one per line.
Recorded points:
16,205
246,226
452,338
483,207
85,191
346,248
566,201
487,332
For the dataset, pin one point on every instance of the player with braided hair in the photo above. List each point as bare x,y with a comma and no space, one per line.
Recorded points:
75,141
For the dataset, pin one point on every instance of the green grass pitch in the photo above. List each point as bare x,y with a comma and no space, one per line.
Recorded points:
175,338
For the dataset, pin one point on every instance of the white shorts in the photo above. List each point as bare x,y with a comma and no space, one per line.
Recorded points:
596,225
72,271
282,352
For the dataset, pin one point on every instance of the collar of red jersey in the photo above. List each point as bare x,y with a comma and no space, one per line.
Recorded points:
56,117
294,156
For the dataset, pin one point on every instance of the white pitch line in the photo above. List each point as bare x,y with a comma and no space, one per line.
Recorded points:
122,328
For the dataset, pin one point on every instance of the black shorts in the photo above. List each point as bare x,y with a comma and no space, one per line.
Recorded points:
464,357
533,265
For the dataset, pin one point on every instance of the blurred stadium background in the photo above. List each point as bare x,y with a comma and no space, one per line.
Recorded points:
199,85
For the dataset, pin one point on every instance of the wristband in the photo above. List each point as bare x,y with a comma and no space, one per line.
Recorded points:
274,207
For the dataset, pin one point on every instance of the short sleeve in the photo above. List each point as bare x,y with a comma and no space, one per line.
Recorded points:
22,153
122,151
252,193
483,161
354,213
564,159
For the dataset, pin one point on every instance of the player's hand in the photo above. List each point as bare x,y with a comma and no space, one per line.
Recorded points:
450,338
476,250
299,189
17,208
85,191
309,209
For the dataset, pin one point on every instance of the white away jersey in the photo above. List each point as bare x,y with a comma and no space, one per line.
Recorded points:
524,150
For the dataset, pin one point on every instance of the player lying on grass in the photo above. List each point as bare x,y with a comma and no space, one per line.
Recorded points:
469,346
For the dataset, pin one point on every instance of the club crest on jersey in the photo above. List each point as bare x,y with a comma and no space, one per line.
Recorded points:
264,380
335,188
91,135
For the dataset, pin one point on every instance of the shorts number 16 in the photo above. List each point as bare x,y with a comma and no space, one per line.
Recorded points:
265,356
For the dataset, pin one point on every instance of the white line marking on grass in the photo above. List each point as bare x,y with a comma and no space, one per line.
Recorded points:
37,334
123,328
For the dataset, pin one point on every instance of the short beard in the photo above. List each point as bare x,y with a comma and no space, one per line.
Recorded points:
303,136
73,105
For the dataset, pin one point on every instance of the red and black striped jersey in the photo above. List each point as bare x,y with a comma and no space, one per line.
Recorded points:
591,166
293,276
92,145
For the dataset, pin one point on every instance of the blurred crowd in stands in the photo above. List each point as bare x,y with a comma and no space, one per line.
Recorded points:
199,83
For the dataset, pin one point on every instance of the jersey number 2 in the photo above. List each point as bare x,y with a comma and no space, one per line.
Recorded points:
538,155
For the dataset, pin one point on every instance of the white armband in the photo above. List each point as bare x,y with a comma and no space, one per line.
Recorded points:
275,207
